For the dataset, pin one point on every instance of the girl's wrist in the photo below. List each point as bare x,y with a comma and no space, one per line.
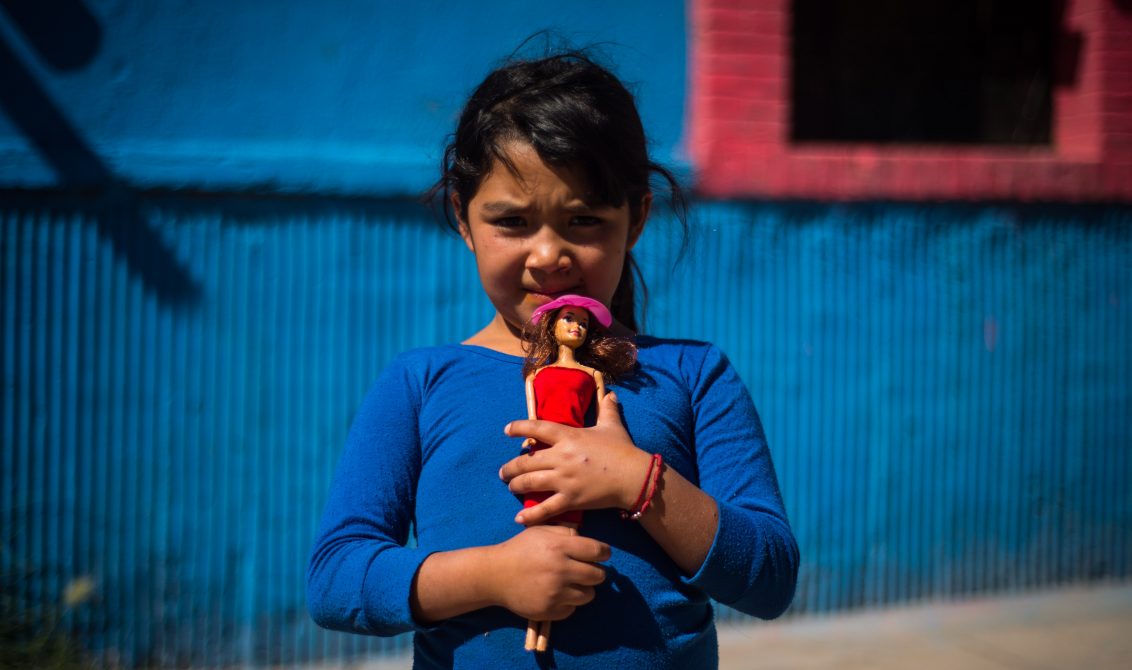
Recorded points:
489,575
636,476
450,583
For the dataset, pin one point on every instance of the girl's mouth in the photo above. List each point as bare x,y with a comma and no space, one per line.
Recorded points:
543,297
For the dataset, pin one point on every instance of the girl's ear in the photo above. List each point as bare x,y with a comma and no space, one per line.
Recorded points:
461,224
637,227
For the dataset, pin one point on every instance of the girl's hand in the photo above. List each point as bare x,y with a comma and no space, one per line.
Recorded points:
547,572
586,468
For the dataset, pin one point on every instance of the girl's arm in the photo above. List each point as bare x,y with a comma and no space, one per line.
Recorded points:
368,515
728,531
682,519
543,573
363,578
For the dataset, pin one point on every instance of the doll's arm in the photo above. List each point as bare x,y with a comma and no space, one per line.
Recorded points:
532,407
600,380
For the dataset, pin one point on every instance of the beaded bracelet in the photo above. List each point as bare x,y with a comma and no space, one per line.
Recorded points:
648,489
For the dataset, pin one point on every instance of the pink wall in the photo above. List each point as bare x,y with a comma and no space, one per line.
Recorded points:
740,115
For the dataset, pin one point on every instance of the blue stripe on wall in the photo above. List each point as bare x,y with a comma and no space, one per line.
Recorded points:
946,390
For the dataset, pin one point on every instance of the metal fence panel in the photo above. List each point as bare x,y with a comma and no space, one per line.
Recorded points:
946,390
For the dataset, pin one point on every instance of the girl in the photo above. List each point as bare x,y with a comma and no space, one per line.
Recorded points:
548,178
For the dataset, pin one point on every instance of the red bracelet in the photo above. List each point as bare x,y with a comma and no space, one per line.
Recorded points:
644,490
648,489
652,490
658,462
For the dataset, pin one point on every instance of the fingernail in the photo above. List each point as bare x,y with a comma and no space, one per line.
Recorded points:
501,473
518,518
613,397
507,429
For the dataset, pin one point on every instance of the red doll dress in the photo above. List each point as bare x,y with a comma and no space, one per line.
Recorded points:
562,395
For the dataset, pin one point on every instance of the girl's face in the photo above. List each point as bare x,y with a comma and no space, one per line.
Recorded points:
537,235
572,326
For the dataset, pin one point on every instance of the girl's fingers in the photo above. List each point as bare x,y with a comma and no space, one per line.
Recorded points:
543,431
521,465
538,480
551,507
586,551
589,551
608,412
588,575
559,613
580,595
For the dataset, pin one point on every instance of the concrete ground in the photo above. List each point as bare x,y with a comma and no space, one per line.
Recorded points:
1058,630
1073,628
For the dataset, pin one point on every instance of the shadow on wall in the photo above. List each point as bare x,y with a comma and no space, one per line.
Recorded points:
66,36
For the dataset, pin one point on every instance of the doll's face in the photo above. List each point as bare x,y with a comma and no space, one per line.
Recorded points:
572,326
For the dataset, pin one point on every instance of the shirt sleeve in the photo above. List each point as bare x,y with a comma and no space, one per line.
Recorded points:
752,564
360,571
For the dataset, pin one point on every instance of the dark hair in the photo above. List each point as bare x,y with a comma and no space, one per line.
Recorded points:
609,354
574,113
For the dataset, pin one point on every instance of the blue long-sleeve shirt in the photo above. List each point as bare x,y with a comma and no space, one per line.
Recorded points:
424,454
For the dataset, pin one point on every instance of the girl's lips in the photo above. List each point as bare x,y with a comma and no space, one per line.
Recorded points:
546,296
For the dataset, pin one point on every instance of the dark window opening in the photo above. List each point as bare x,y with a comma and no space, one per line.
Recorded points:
922,71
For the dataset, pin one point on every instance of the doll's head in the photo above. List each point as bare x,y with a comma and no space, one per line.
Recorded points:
571,326
575,114
582,324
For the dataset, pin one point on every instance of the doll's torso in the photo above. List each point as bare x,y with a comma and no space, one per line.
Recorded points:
563,395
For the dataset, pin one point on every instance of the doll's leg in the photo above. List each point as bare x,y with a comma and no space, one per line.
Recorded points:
538,632
543,636
532,635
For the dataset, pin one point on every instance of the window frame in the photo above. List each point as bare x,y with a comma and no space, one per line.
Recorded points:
739,137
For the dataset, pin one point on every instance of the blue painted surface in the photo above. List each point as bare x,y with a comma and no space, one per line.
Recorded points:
945,388
348,97
946,391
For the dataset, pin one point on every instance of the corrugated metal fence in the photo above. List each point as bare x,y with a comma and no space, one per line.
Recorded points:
946,390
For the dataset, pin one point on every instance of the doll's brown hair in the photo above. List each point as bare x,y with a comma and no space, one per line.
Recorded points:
609,354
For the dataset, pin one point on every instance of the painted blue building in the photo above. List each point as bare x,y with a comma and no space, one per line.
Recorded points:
211,235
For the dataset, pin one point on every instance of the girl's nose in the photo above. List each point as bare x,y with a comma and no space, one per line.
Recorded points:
549,252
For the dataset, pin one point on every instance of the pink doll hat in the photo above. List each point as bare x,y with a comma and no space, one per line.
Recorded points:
594,307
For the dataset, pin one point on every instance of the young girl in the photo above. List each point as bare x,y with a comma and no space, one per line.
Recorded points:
548,179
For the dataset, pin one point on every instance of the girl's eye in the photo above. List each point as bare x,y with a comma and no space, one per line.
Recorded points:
509,222
585,221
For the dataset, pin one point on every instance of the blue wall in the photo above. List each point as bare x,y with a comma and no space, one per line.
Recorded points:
351,96
946,388
946,391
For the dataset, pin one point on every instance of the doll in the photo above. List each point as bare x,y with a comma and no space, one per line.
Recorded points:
571,331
